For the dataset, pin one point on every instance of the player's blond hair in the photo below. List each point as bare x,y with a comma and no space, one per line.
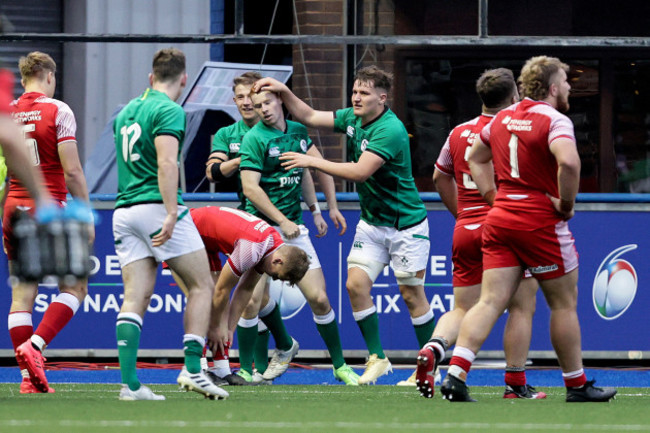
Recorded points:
247,79
378,77
496,87
296,263
35,65
535,78
168,64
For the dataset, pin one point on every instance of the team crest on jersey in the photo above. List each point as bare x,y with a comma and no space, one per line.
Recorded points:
303,145
350,131
274,152
364,144
506,120
465,133
234,147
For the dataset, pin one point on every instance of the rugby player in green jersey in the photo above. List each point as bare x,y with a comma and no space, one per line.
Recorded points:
393,228
252,334
151,224
274,195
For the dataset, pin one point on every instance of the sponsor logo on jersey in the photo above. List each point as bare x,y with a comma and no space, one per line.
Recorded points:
27,116
364,144
350,131
615,284
234,147
274,152
357,245
290,180
544,269
519,125
303,145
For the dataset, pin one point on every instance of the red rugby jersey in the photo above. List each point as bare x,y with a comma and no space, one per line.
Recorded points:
245,238
526,170
452,161
47,123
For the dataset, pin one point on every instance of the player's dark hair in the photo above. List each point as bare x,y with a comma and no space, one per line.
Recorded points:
378,77
296,263
535,78
168,64
34,64
496,87
247,79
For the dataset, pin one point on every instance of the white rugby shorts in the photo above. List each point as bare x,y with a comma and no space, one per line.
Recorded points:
135,226
405,250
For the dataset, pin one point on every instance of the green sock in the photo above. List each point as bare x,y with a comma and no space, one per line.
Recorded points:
273,321
193,351
329,332
246,343
261,355
128,341
370,330
424,331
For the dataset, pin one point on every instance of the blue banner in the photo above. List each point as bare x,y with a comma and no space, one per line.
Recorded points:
612,247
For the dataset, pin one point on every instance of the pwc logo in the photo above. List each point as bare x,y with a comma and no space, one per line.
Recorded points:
615,284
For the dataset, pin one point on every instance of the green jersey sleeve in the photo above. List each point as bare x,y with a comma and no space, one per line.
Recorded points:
220,141
252,153
170,121
344,118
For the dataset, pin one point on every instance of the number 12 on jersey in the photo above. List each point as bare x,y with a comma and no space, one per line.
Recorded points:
130,135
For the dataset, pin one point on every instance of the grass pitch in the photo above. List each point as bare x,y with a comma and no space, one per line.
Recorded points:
93,408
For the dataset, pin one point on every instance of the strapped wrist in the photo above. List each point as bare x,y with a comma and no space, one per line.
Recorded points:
314,208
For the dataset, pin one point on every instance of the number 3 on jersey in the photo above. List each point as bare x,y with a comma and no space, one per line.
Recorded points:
130,135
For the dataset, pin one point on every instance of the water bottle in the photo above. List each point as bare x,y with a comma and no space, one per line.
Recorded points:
27,263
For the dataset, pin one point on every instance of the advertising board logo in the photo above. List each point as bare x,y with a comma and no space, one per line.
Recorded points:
615,284
289,298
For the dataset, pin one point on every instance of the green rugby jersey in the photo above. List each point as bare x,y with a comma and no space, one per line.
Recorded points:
260,151
389,197
135,128
228,140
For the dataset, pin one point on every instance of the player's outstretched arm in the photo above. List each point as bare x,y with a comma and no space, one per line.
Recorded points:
219,330
446,187
353,171
327,185
300,111
480,165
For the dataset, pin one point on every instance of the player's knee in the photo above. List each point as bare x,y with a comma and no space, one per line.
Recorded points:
407,278
372,268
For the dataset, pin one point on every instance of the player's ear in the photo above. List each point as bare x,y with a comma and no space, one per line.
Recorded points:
150,79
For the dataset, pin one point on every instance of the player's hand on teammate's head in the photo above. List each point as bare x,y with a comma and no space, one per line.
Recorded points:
338,220
320,224
268,84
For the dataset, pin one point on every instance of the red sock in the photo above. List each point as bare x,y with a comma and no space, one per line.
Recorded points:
575,382
20,327
54,320
515,378
219,356
461,362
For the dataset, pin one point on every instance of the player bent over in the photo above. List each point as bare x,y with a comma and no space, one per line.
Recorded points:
274,195
151,224
497,89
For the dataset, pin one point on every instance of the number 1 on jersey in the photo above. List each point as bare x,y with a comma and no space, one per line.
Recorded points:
514,160
134,131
